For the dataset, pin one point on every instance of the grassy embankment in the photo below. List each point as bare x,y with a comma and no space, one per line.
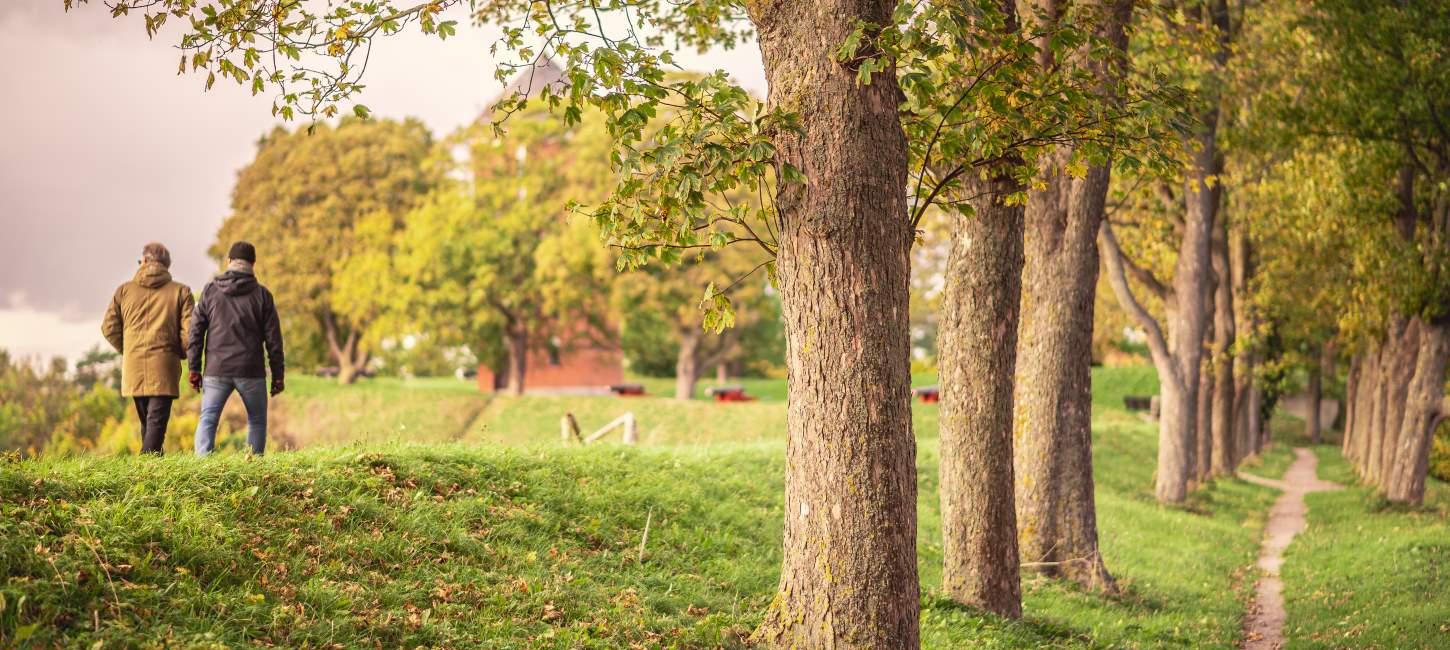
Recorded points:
1367,574
533,546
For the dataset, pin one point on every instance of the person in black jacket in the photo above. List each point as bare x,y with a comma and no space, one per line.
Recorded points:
234,322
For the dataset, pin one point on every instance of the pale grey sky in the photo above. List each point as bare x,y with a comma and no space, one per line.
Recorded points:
107,148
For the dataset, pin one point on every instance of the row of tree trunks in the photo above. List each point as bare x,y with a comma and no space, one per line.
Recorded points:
1396,390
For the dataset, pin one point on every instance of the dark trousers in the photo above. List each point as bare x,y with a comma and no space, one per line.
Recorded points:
155,413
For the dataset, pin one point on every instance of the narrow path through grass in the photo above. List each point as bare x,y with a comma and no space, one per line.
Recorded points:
1264,629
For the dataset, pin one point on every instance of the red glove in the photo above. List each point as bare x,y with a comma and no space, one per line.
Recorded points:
195,381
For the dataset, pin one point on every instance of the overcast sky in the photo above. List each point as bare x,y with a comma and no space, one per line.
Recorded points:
107,148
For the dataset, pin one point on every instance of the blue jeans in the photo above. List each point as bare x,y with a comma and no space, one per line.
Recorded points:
214,394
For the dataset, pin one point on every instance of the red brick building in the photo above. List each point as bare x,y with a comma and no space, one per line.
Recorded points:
582,369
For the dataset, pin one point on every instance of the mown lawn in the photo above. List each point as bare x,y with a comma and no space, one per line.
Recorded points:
483,546
1368,575
315,411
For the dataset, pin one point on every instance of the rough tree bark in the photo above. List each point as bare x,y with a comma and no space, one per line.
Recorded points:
848,575
1052,416
977,362
1425,399
1396,393
1225,457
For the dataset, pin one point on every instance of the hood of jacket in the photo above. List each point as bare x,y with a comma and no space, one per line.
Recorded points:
152,275
236,283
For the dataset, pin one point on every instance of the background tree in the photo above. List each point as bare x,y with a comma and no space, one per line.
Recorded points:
301,202
475,265
1193,41
674,296
1374,74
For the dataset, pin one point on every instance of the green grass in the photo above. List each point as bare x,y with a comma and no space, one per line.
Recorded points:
534,420
434,544
1367,575
315,411
536,546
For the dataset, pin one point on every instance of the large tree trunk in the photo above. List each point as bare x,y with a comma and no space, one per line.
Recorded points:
1425,397
687,363
1056,512
848,576
1398,395
977,362
1052,461
1225,457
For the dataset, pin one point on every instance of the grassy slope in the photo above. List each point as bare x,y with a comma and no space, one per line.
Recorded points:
317,411
1367,576
537,547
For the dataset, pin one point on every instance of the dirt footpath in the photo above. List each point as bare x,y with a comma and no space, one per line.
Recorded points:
1264,628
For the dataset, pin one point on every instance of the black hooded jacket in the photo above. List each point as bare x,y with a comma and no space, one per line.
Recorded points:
234,320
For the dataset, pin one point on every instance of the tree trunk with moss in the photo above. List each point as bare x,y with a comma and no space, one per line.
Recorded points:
1057,528
848,576
1423,411
1056,511
977,362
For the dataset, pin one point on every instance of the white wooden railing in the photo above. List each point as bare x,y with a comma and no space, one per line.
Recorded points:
569,428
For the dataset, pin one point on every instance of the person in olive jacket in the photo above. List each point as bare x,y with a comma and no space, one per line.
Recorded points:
235,321
147,323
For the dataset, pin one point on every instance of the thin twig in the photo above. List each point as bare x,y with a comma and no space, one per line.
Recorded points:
645,538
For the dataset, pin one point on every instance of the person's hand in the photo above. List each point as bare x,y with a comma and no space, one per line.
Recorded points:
195,380
276,386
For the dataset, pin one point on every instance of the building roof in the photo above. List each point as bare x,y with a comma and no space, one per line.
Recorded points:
530,82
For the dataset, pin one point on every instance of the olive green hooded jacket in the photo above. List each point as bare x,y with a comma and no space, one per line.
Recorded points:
148,322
